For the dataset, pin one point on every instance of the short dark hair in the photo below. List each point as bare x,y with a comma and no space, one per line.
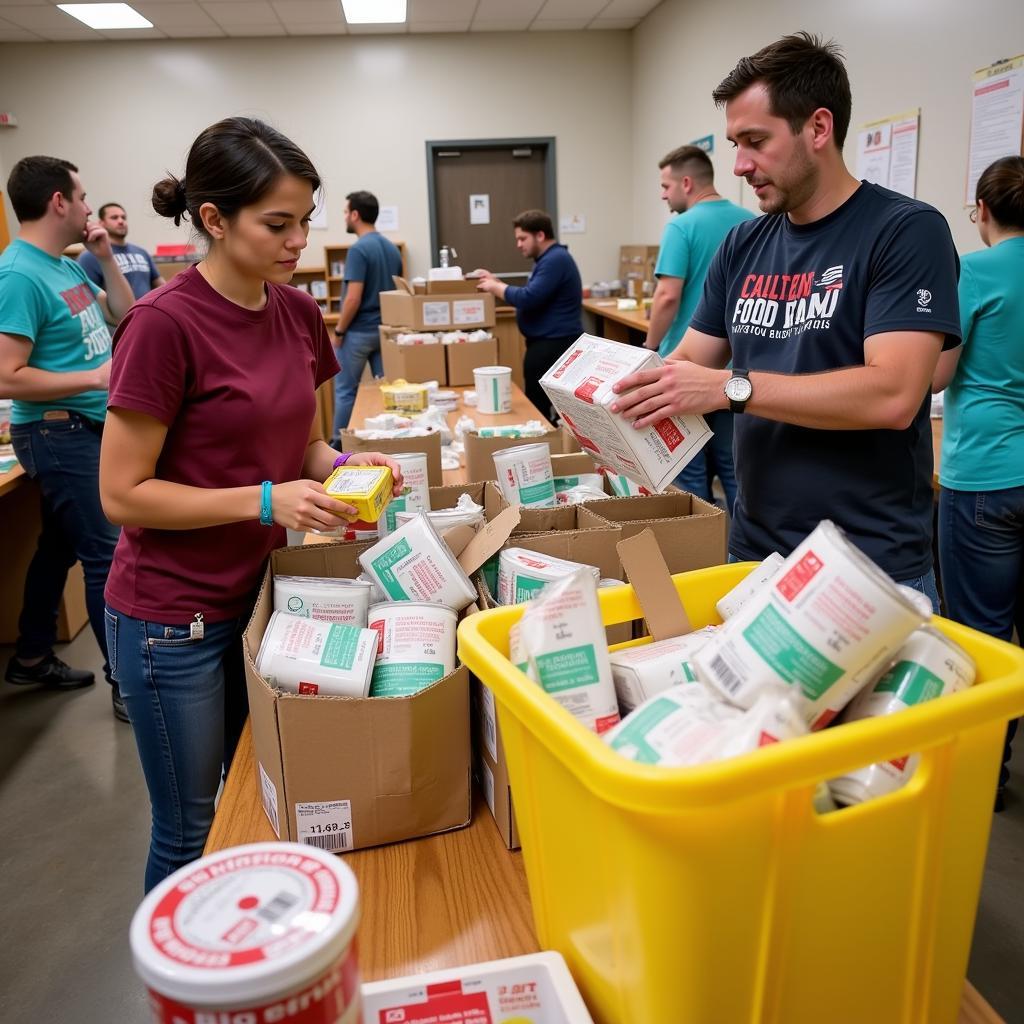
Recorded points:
231,164
34,180
1001,189
107,206
690,160
365,204
801,73
535,221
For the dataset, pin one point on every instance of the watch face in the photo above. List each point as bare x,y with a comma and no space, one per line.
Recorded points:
738,389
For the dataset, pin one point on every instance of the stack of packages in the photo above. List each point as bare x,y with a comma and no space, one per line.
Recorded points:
352,671
810,641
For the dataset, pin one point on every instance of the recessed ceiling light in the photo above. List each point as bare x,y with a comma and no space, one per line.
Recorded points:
106,15
374,12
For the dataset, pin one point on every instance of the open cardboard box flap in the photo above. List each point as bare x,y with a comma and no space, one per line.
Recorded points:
473,548
402,285
646,570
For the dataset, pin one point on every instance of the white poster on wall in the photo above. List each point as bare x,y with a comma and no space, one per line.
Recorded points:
387,219
903,165
480,209
887,152
874,149
318,220
997,118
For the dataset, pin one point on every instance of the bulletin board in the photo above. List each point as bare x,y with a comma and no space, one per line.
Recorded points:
997,118
887,152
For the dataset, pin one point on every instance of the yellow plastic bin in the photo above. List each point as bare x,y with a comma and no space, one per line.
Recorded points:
717,894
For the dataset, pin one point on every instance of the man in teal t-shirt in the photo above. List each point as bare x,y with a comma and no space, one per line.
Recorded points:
690,240
55,365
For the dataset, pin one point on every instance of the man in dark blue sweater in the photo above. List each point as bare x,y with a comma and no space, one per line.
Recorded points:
548,307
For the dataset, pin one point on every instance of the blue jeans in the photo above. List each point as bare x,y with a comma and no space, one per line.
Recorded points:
63,457
981,554
715,459
187,703
358,348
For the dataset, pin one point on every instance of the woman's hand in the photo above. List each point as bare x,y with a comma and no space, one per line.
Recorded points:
304,505
379,459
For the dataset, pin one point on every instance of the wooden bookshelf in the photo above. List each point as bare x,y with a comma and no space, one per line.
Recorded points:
312,280
334,263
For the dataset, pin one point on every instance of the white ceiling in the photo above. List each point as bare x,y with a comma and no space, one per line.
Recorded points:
39,20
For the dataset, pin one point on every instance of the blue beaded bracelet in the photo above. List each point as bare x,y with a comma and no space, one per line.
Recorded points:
266,512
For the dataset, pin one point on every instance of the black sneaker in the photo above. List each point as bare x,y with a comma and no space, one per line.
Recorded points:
120,712
51,673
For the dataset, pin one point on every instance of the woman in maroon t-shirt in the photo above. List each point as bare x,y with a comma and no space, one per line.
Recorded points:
212,408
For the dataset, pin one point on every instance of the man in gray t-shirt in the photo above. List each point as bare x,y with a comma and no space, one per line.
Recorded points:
132,260
370,266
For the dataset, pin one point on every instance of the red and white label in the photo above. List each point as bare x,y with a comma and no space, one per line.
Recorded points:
570,359
379,627
799,576
667,430
445,1002
585,391
327,1001
604,724
311,688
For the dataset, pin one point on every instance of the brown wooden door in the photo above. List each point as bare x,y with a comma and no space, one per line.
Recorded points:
513,176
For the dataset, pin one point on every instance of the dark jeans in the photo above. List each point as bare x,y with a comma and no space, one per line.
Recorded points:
714,459
63,457
541,354
981,555
187,703
359,348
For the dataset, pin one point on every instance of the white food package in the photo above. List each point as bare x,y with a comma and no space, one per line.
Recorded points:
580,386
560,644
641,672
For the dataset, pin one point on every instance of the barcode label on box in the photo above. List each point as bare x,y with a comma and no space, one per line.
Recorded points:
437,314
729,679
268,793
326,825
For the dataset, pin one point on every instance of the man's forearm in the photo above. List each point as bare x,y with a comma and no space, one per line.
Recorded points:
30,384
119,292
663,312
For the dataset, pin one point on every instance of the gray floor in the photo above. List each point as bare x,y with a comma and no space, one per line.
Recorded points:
75,825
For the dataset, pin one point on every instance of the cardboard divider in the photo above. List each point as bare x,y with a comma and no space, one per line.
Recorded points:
430,445
380,754
645,568
691,533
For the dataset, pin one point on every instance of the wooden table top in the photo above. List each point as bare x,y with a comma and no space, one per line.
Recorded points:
451,899
11,479
607,308
428,904
370,402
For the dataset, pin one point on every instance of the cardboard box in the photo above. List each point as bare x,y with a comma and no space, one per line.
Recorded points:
490,766
485,493
691,533
464,358
414,363
430,445
580,388
480,451
466,310
376,761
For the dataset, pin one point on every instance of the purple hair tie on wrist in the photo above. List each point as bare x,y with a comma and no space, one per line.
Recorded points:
342,459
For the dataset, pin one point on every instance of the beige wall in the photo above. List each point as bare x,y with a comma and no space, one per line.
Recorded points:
362,107
901,54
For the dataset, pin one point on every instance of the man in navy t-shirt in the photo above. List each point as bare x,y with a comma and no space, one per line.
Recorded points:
132,260
833,308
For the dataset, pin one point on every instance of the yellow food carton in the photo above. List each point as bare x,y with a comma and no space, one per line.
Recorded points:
401,395
366,488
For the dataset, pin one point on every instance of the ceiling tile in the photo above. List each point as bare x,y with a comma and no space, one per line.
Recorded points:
629,8
503,11
10,33
506,25
39,18
24,3
327,28
440,26
174,15
440,11
566,10
614,23
308,12
70,35
248,12
559,25
196,32
252,31
133,33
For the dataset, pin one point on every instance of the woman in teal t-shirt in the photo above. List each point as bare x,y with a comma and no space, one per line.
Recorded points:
981,505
